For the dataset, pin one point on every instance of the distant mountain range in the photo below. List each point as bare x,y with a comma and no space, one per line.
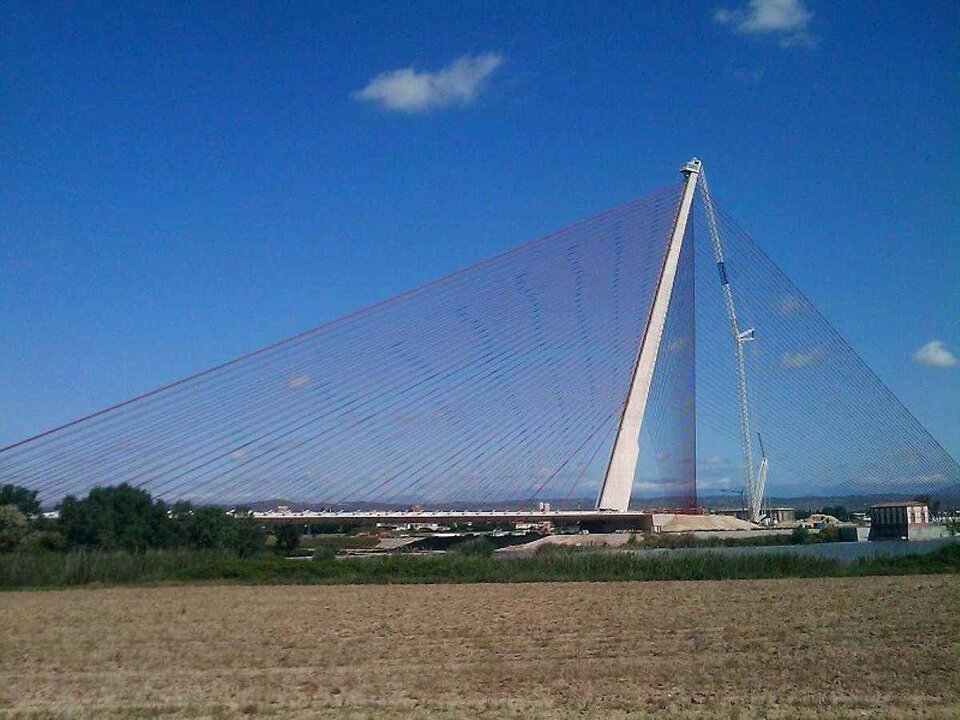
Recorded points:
712,502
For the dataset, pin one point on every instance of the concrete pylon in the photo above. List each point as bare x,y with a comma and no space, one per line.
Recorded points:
618,480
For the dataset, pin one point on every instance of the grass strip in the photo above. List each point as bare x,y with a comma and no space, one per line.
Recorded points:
58,570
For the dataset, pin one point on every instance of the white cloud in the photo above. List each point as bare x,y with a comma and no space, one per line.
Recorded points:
790,304
747,76
409,91
661,487
934,354
802,358
679,343
723,483
788,20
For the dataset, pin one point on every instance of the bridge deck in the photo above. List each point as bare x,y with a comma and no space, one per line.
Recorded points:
629,519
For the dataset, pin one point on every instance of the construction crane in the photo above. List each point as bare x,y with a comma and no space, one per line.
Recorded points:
753,485
761,472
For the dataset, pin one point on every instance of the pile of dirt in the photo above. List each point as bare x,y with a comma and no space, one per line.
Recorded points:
668,522
596,540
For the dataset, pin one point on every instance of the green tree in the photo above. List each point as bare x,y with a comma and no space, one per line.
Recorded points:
203,528
116,518
47,540
20,497
838,511
210,528
288,537
13,527
249,536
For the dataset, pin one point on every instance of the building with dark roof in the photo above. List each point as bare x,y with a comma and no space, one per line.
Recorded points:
899,520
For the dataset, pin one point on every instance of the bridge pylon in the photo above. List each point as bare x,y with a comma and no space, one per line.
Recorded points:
617,482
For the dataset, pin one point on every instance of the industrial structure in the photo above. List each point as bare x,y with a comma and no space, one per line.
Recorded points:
615,491
627,358
901,519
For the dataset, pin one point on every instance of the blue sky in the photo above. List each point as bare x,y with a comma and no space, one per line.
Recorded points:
182,183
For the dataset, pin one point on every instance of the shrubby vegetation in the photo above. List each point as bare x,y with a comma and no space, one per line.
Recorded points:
123,535
22,570
478,546
840,512
22,499
323,553
116,518
689,540
287,538
339,541
21,525
123,518
799,536
13,527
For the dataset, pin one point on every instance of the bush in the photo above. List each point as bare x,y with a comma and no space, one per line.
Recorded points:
480,547
800,535
24,500
43,540
324,553
831,533
288,537
116,518
548,549
339,542
210,528
249,537
690,540
13,527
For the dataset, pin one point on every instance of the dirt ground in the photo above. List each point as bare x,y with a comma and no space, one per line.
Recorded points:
858,647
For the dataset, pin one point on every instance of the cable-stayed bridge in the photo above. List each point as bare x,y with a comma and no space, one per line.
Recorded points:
650,355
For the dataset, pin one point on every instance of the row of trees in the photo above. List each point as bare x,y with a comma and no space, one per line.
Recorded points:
128,518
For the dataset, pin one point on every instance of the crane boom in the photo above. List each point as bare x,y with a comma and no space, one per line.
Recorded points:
753,489
762,472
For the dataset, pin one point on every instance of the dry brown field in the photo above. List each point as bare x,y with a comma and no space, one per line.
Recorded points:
852,647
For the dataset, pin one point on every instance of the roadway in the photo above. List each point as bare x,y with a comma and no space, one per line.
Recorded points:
594,518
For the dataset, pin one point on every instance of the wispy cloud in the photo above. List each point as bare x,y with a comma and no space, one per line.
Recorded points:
745,75
721,483
802,358
407,90
935,354
679,343
790,304
787,20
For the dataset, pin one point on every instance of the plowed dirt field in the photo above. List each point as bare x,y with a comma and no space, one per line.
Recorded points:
857,647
